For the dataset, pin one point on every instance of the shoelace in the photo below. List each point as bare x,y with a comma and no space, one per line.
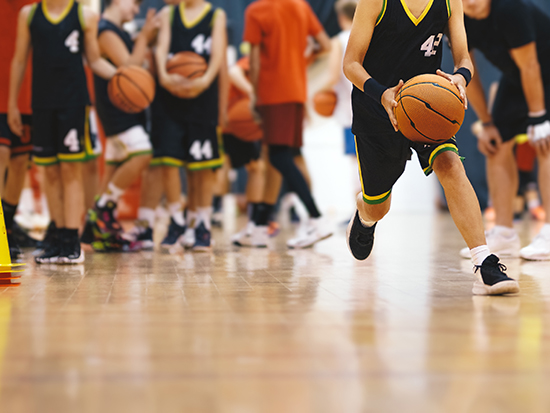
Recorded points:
363,238
500,266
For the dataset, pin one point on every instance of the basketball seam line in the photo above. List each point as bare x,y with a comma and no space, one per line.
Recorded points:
413,125
127,100
429,107
138,87
434,84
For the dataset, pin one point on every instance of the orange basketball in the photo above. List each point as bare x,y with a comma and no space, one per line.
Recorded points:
131,89
324,102
429,109
241,123
187,64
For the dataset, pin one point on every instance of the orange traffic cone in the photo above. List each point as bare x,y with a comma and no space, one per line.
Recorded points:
7,278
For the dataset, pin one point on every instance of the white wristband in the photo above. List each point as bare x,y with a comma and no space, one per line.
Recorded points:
537,114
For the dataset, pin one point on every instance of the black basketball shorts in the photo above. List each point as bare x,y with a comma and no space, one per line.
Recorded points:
510,111
382,158
58,135
18,145
178,143
241,152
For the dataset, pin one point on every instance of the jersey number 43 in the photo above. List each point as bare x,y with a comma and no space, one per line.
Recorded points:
429,47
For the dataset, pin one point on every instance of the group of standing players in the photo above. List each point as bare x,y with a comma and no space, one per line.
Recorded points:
390,42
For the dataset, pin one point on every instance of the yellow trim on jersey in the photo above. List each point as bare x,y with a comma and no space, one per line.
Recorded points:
415,20
521,138
52,160
197,166
31,13
382,12
193,23
81,16
61,16
166,161
449,9
438,151
71,157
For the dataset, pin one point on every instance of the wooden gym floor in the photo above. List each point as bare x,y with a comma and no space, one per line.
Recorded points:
280,331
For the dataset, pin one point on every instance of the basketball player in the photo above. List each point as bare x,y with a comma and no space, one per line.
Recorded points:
185,115
128,148
60,32
278,34
514,35
14,149
392,41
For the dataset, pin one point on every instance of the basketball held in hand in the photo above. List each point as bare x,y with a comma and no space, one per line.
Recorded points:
429,109
324,102
187,64
132,89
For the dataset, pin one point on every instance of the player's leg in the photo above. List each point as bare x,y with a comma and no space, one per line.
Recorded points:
203,158
539,248
191,214
465,211
172,189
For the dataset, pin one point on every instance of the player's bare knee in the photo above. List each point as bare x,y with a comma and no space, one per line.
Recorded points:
71,171
5,154
19,163
374,212
448,164
255,166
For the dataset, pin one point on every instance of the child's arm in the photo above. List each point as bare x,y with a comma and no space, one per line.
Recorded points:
459,49
223,88
18,66
113,48
366,14
99,65
238,79
334,64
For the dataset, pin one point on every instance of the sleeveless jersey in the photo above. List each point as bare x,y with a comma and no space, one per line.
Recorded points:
195,37
342,112
401,47
114,120
58,78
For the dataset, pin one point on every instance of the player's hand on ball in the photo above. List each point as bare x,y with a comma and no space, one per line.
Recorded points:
14,121
489,140
190,88
389,102
459,82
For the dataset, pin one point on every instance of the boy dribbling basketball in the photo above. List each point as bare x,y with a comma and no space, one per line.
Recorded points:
59,32
392,41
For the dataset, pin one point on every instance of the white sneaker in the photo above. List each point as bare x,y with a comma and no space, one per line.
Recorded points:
314,231
252,236
538,250
188,239
499,245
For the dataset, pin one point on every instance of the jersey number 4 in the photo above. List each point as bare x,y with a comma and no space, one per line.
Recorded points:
72,41
429,47
199,152
202,44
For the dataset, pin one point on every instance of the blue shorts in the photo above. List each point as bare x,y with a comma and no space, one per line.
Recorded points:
349,142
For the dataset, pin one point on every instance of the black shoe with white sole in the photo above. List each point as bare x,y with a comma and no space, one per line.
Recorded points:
71,252
494,280
360,238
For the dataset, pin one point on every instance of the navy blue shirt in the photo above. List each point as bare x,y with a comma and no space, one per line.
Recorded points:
511,24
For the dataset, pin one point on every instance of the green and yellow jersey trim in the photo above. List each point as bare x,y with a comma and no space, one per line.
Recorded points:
438,151
382,12
166,161
416,21
197,166
60,18
31,13
449,9
377,199
81,18
51,160
191,24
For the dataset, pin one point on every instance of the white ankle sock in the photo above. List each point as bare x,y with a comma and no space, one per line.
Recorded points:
479,254
365,223
504,231
204,215
147,214
192,218
113,193
176,212
545,230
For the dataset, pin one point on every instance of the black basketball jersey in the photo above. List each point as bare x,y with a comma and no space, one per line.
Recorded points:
401,47
196,37
114,120
511,24
58,78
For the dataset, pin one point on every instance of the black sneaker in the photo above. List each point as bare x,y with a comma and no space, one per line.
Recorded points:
360,239
15,251
50,254
70,252
105,218
175,231
21,237
492,279
142,233
87,236
202,239
49,237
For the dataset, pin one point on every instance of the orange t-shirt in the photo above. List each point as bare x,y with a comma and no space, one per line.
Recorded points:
235,94
9,14
281,29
